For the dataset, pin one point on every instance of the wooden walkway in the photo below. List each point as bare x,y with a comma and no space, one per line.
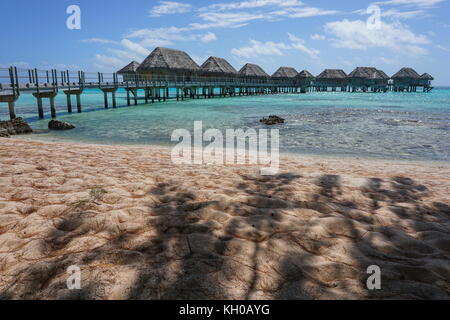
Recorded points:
48,84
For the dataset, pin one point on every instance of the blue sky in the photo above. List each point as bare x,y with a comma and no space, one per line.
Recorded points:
305,34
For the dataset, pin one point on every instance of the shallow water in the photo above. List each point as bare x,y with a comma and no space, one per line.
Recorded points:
386,125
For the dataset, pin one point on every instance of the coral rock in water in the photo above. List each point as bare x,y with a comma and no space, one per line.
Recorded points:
272,120
60,125
15,126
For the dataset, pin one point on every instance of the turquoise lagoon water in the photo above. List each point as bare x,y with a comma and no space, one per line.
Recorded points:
390,125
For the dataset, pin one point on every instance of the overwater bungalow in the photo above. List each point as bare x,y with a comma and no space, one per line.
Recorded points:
129,71
168,64
406,79
304,80
216,67
425,81
331,78
368,79
253,71
285,76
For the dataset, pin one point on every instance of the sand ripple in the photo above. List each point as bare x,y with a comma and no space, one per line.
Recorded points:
142,228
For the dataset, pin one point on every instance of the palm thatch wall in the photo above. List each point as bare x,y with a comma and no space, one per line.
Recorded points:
216,66
164,62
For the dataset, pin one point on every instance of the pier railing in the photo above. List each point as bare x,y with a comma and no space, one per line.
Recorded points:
19,80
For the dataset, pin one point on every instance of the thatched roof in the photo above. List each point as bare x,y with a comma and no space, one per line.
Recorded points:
383,74
406,73
368,73
285,72
163,59
426,76
218,65
304,75
129,68
252,70
332,74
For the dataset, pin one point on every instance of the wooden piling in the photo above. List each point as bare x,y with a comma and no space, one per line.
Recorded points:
52,107
79,102
114,102
40,108
105,96
12,109
69,103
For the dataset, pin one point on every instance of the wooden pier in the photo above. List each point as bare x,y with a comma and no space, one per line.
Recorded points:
49,83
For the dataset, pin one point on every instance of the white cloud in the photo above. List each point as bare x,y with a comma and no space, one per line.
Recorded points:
397,14
153,43
258,48
252,4
318,37
99,40
135,47
209,37
118,58
270,48
108,63
411,3
239,14
225,20
299,44
442,48
394,36
169,7
304,12
162,37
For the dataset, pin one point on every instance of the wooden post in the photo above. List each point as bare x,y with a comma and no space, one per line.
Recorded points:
69,103
12,109
79,102
105,96
40,108
114,99
135,92
128,97
52,107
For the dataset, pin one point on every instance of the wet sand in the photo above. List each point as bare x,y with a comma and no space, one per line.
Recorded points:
140,227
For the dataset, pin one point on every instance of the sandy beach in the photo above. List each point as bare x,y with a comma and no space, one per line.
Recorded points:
140,227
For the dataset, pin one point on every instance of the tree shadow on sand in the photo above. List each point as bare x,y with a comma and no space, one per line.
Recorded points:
272,240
